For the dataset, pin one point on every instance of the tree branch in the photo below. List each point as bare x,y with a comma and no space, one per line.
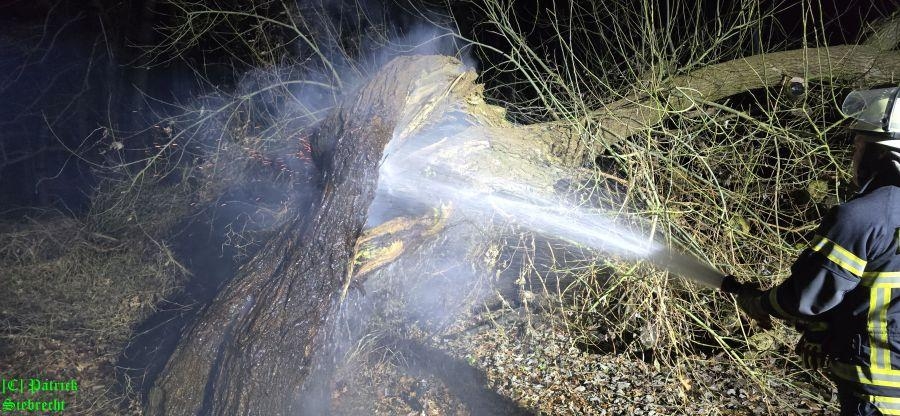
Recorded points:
886,34
639,111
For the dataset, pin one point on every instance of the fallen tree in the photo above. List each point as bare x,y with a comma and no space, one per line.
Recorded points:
251,351
258,337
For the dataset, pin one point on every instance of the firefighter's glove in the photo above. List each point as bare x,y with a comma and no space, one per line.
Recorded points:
810,350
750,299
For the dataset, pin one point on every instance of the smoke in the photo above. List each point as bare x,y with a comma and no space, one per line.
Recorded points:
430,174
242,148
248,146
252,145
252,148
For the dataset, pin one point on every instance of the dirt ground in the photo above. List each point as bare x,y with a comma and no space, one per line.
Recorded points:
495,362
507,364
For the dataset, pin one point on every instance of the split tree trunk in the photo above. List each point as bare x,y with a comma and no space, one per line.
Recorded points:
251,350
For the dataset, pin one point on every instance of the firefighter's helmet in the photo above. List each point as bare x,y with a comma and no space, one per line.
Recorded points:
876,114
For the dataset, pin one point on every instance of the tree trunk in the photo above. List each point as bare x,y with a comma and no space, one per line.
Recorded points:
251,350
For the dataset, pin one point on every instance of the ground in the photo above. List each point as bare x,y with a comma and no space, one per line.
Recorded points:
534,363
502,361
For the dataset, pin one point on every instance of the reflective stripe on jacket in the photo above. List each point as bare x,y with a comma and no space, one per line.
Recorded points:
849,279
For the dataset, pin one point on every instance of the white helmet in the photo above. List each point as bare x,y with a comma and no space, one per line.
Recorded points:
876,112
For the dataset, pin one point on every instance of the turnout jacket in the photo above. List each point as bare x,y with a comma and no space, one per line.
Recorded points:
845,288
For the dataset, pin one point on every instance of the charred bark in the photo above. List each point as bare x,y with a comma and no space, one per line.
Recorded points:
251,350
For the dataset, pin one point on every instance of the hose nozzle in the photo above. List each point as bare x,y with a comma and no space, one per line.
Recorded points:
730,284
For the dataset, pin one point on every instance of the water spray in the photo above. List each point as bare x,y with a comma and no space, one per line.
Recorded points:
594,230
401,175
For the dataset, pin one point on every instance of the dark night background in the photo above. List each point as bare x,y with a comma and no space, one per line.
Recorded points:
71,70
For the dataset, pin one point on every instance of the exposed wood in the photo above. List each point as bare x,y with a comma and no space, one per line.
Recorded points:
250,352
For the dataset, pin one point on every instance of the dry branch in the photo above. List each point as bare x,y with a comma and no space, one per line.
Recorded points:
886,34
638,112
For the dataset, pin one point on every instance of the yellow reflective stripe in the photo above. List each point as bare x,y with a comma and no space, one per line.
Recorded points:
891,279
874,325
879,346
884,346
883,399
866,375
880,371
881,285
887,405
839,255
878,342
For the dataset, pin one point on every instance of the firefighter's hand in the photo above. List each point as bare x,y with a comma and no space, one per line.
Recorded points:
749,299
810,352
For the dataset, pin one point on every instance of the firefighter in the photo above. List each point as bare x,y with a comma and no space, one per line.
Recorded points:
844,289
